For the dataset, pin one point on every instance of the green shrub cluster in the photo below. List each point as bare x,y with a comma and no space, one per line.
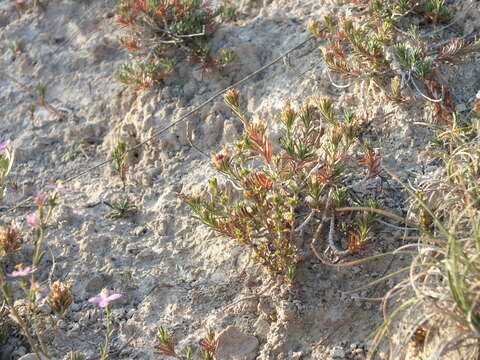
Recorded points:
161,33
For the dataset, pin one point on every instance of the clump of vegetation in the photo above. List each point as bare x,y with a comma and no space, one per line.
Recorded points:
273,194
7,156
434,11
9,240
119,164
375,50
161,33
438,304
24,5
166,346
122,208
60,297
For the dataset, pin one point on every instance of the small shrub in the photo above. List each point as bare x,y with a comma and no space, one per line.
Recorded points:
166,346
122,208
119,164
372,49
159,33
435,11
270,188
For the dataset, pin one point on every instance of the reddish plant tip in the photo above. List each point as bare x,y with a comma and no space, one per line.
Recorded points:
220,160
259,181
175,28
373,163
354,244
130,44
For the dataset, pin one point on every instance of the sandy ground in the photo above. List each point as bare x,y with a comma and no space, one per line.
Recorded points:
173,271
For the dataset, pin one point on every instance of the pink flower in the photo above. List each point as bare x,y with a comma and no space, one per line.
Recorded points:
104,298
41,198
21,272
33,220
5,145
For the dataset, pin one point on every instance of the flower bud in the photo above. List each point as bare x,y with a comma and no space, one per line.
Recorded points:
232,98
288,115
41,198
221,160
314,28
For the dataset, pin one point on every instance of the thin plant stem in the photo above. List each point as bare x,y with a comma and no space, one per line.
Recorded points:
8,298
105,349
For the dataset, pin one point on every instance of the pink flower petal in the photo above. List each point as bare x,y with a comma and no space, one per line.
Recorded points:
114,297
41,198
5,145
33,220
22,272
104,298
103,303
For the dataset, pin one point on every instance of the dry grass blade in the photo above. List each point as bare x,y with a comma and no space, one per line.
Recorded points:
456,49
444,275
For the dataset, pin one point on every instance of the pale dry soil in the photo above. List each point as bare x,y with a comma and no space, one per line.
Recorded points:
171,270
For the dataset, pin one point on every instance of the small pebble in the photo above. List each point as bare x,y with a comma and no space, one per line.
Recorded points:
337,352
130,313
8,56
62,324
297,355
78,317
358,352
